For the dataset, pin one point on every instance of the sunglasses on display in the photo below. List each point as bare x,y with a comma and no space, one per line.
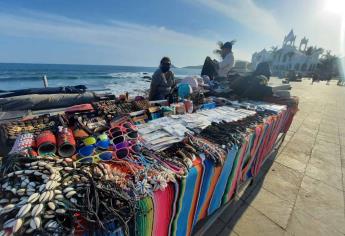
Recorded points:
121,153
121,137
123,150
92,140
131,146
114,132
88,150
103,156
124,126
131,134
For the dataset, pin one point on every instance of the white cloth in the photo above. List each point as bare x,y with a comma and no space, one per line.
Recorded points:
226,65
192,81
206,79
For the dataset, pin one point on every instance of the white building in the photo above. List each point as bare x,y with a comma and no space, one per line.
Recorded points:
303,59
242,66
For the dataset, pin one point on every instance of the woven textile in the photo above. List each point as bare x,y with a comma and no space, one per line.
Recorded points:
207,187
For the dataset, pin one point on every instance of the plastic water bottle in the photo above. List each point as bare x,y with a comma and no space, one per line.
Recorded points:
189,105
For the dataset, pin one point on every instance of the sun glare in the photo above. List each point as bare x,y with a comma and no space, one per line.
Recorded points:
335,6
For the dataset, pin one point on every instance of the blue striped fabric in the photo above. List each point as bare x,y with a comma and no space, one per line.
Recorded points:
187,201
206,181
221,185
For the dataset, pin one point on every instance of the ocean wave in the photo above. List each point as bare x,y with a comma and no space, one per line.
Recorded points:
129,75
27,78
5,77
86,77
37,78
138,87
135,75
117,78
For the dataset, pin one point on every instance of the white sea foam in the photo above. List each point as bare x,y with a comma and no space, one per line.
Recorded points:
138,87
132,82
115,78
129,75
135,75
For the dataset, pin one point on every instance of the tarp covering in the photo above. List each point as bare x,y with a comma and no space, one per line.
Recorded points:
52,90
44,101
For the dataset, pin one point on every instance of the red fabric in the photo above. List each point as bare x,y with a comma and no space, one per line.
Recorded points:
291,114
79,108
163,201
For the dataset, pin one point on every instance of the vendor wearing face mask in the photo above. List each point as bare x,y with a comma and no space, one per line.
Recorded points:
162,81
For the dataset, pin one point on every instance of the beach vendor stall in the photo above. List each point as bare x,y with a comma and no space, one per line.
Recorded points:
133,167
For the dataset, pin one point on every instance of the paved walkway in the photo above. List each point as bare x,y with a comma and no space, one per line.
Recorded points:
304,188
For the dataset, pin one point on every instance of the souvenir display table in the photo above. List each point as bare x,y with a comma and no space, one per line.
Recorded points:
132,168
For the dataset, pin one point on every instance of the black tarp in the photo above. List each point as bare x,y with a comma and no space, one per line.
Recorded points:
54,90
45,101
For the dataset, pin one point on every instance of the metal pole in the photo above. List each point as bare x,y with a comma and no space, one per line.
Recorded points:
45,81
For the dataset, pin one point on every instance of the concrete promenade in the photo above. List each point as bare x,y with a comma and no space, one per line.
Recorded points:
303,192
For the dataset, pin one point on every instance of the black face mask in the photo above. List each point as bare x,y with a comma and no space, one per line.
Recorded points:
165,68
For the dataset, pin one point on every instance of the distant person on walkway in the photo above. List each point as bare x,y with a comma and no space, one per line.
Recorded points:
162,81
213,68
315,78
328,78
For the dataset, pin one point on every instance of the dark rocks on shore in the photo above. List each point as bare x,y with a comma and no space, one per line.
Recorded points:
146,77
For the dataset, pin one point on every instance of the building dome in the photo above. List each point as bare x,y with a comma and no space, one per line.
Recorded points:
303,59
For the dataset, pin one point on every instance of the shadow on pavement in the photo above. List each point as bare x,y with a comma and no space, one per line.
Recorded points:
238,207
231,212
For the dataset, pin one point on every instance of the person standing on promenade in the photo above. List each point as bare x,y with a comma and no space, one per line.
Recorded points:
315,78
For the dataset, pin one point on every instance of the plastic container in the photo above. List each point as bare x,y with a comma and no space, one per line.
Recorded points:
46,143
66,142
180,108
206,106
189,106
155,113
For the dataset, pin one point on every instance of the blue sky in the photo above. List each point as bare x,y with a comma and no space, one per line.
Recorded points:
141,32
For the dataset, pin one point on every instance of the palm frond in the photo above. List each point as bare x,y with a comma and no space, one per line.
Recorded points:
233,41
220,44
217,51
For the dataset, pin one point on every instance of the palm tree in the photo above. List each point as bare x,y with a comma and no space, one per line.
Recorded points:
329,65
274,51
219,49
309,51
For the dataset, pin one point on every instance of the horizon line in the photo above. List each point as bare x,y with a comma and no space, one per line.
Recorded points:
75,64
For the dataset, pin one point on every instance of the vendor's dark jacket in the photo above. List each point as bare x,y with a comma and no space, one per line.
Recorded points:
252,86
160,85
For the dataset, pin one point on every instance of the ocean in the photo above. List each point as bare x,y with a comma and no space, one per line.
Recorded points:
116,79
